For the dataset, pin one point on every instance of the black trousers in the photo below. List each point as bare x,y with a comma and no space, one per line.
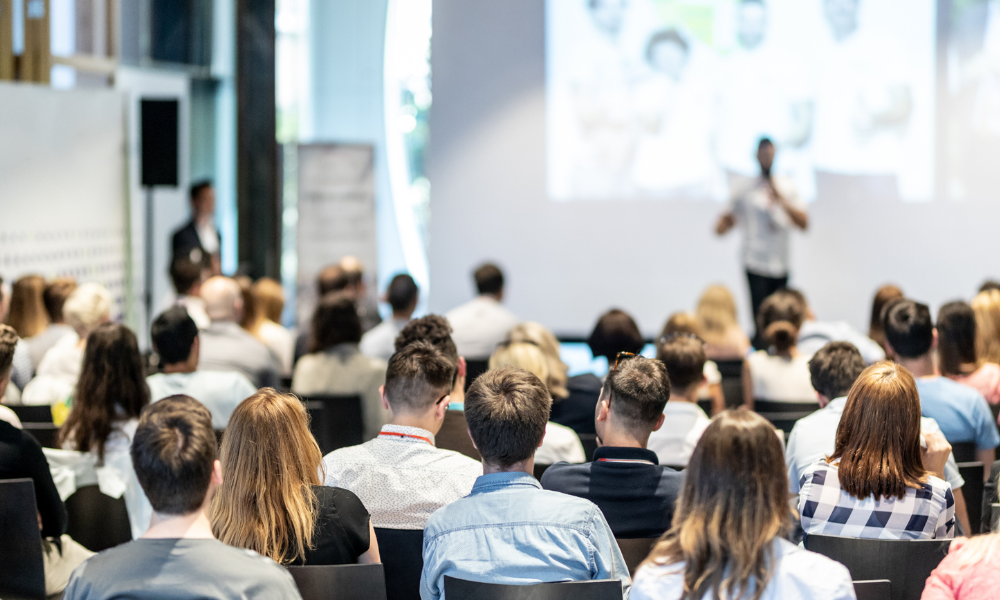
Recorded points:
762,286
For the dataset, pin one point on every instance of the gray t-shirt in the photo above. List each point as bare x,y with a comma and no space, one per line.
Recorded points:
155,569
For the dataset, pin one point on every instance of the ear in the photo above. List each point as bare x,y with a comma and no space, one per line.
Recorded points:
381,394
659,422
934,338
462,366
442,408
603,410
823,400
890,352
469,431
217,472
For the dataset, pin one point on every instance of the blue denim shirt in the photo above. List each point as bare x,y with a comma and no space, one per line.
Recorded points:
511,531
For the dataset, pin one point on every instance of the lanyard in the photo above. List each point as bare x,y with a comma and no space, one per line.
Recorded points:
626,460
406,435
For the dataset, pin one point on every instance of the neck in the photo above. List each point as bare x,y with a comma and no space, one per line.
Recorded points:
686,395
183,367
425,421
195,525
921,366
402,316
525,466
622,437
791,352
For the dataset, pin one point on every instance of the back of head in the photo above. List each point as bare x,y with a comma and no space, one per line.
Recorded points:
683,355
27,310
507,410
331,279
194,192
8,342
268,298
956,325
433,329
353,270
489,279
883,296
173,453
835,368
185,274
989,285
223,298
636,392
780,317
878,439
402,293
521,355
250,316
335,321
87,307
986,305
55,295
680,322
716,310
724,537
418,376
908,328
615,332
173,334
538,334
270,461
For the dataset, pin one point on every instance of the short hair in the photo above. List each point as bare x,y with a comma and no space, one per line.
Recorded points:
683,355
667,35
331,279
433,329
268,298
638,390
173,453
489,279
615,332
764,141
989,285
835,368
507,410
780,317
55,295
956,325
402,293
87,307
173,334
335,321
198,187
8,342
417,376
883,297
184,274
909,328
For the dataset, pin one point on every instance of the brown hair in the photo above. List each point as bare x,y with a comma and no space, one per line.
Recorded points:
335,321
489,279
55,295
433,329
987,308
956,325
8,342
725,538
834,369
883,296
270,462
878,440
716,313
684,357
780,318
681,322
27,310
269,298
417,376
507,410
615,332
637,391
252,317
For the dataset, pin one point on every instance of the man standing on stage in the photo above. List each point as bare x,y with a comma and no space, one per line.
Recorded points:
766,210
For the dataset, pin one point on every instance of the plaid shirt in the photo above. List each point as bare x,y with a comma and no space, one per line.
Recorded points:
924,513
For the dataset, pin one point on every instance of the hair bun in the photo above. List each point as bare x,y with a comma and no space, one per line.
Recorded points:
781,334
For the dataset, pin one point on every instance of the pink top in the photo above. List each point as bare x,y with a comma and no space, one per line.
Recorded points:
952,580
986,381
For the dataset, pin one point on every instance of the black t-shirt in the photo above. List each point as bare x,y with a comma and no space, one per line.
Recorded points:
342,532
577,410
21,456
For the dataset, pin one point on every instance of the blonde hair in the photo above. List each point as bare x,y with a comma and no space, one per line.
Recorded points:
87,307
979,549
268,299
546,341
27,309
270,461
986,305
522,355
681,322
716,313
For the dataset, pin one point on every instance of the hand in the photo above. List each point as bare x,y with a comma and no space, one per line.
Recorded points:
726,222
936,454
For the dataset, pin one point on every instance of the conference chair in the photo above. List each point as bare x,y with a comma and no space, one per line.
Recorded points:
22,572
473,369
340,582
97,521
402,552
335,421
635,550
461,589
706,405
879,589
732,381
994,516
37,421
454,435
783,415
905,563
589,442
964,452
995,411
972,473
540,470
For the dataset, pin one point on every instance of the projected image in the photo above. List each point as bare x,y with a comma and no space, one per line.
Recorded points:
668,98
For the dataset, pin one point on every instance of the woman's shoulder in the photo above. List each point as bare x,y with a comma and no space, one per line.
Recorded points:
937,487
339,500
656,580
794,563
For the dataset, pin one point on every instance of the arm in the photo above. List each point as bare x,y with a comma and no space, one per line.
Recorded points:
50,505
986,457
718,400
799,217
608,560
946,522
370,557
725,223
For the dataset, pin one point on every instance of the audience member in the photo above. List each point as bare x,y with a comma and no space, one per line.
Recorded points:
635,494
960,411
249,316
716,313
483,322
269,303
27,313
728,535
684,421
400,476
883,296
711,387
560,442
435,330
8,345
508,529
187,277
615,332
334,278
53,297
199,240
957,357
990,284
175,338
178,557
354,275
780,373
335,365
971,571
986,305
106,405
879,482
225,346
815,334
272,499
402,296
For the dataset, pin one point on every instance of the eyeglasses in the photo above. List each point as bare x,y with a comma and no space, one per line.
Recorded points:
442,399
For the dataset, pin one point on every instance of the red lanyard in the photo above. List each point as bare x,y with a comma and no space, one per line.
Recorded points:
626,460
406,435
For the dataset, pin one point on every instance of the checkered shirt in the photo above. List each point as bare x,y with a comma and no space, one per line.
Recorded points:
924,513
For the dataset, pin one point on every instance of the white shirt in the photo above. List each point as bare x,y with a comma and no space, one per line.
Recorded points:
281,342
219,391
766,225
208,236
479,325
57,374
380,341
8,415
813,335
195,307
401,477
561,444
682,428
797,574
780,379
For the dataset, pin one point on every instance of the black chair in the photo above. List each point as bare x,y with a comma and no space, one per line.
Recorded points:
402,552
635,550
33,414
732,381
540,470
460,589
972,473
335,421
706,405
97,521
964,452
783,415
22,573
343,582
473,369
286,384
47,434
454,435
589,441
906,563
879,589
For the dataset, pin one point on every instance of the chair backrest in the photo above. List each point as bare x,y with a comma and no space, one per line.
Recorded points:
972,473
635,550
878,589
783,415
335,421
706,405
343,582
964,451
473,369
732,381
906,563
994,516
540,470
458,589
33,414
97,521
454,435
47,434
589,442
22,573
402,552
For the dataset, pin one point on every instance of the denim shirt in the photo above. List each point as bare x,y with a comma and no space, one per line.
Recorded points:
511,531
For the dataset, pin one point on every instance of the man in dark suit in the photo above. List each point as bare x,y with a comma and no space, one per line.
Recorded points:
199,239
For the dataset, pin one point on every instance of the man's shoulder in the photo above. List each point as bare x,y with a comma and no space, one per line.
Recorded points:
945,390
567,477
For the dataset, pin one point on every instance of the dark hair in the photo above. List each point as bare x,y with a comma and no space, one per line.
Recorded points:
185,273
637,391
8,342
173,334
989,285
112,387
173,454
489,279
908,328
199,186
615,332
417,376
835,368
507,410
331,279
433,329
684,358
335,321
764,141
402,292
666,35
54,296
884,295
780,317
956,325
